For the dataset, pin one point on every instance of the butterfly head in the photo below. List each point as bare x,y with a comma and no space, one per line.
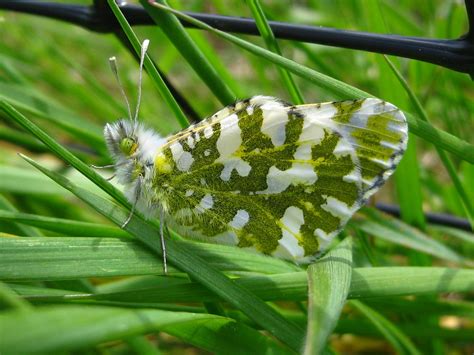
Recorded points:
122,140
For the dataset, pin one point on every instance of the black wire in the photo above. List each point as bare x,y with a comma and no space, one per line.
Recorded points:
455,54
434,218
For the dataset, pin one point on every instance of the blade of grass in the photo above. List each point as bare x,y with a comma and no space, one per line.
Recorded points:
61,152
106,257
365,283
401,343
141,345
186,260
77,327
213,55
420,331
25,141
466,201
462,149
178,255
178,36
149,66
145,232
7,207
65,226
272,44
10,300
328,286
423,306
408,187
27,182
395,231
45,108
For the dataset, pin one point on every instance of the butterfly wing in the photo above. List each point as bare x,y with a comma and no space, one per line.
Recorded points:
280,179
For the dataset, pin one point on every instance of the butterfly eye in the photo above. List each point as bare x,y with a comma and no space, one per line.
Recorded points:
128,146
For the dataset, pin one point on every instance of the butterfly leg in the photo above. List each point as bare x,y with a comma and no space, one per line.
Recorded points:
162,239
138,190
105,167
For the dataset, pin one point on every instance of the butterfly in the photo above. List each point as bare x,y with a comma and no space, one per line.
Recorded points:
262,174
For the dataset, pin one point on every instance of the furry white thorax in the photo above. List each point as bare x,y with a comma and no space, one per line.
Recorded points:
126,167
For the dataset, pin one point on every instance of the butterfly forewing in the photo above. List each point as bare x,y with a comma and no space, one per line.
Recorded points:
281,179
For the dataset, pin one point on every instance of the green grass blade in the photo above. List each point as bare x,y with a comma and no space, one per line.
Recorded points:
178,255
272,44
27,182
395,231
9,300
186,260
460,148
213,56
365,283
178,36
7,207
23,140
46,109
150,68
65,226
328,286
421,331
422,306
408,186
141,345
22,259
442,154
75,327
401,343
332,85
61,152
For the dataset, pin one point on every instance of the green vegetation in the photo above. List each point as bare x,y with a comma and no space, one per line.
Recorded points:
72,280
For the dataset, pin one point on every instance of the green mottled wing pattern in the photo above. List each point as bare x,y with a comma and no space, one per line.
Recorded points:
280,179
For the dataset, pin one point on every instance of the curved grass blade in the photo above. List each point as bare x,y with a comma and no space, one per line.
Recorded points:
185,259
147,233
448,165
65,226
150,67
462,149
24,259
178,36
45,108
10,300
75,327
401,343
63,153
272,44
421,331
395,231
365,283
408,186
7,207
329,280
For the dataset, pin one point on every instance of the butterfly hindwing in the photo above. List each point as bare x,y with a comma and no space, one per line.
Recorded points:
281,179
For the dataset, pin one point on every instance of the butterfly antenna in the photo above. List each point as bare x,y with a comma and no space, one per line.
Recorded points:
140,76
113,66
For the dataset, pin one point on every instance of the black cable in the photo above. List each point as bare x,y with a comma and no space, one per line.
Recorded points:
455,54
434,218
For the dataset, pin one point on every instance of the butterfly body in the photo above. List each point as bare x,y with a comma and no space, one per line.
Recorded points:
262,174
